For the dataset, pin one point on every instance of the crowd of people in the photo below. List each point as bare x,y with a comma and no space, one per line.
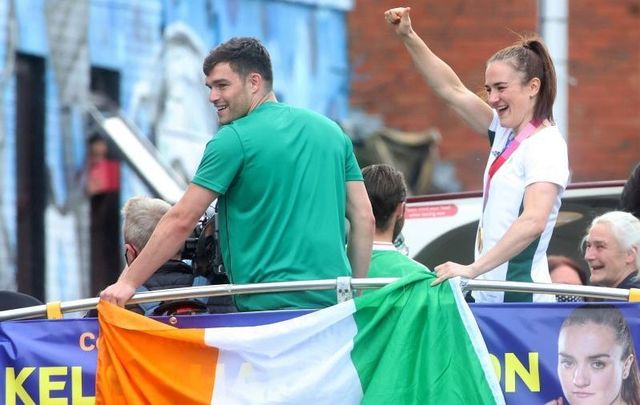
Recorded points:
294,205
291,194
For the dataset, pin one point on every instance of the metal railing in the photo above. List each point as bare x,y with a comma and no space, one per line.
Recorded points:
337,284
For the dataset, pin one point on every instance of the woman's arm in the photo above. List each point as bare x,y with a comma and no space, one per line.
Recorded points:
438,75
539,199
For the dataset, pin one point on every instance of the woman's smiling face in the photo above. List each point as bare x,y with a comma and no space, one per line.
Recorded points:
513,100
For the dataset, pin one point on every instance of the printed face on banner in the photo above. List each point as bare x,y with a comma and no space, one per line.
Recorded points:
590,364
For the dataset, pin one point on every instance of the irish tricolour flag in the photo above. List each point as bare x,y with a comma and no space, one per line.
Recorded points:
406,343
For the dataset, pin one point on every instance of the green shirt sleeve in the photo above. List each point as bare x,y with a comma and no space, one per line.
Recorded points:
352,169
222,160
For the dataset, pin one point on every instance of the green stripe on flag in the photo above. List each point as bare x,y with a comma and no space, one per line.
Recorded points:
413,346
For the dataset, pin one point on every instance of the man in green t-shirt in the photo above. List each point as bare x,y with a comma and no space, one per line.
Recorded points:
285,177
387,192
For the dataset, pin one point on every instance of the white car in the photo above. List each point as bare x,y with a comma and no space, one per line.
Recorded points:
442,227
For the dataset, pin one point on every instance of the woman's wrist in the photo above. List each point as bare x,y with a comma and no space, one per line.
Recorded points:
409,35
476,269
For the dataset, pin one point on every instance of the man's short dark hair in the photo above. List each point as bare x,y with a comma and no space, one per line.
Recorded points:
245,55
386,189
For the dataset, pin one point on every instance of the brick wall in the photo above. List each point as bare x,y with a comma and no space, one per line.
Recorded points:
604,109
604,106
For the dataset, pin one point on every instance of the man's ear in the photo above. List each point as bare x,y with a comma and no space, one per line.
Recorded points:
255,81
400,209
130,252
632,253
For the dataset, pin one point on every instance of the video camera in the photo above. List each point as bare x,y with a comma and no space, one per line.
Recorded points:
202,249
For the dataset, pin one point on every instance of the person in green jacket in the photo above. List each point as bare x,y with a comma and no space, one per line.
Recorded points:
387,192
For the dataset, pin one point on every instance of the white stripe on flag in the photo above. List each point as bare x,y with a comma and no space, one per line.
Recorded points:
310,362
479,345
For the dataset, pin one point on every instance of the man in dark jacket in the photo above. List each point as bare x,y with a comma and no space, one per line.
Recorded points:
141,215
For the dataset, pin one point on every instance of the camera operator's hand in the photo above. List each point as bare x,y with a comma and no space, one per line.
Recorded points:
118,293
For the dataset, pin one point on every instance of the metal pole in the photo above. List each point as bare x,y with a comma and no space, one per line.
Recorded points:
554,29
541,288
357,284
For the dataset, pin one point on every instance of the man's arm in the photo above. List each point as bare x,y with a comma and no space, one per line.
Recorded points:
166,240
362,223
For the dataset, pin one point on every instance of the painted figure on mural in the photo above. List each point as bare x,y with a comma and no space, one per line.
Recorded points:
173,103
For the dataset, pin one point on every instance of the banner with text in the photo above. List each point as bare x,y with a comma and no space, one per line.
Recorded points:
540,352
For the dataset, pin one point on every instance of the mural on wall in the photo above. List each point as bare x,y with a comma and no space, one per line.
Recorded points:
157,48
66,260
7,167
173,103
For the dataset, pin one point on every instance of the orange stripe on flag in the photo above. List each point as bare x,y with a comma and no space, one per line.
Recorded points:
141,360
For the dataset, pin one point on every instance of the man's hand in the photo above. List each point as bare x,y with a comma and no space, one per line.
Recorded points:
118,293
449,270
399,17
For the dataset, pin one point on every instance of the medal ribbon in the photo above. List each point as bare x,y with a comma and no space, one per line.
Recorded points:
508,150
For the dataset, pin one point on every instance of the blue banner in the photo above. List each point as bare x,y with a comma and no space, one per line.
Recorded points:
540,352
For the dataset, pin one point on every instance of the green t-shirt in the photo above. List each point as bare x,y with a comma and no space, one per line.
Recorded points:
281,174
391,263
